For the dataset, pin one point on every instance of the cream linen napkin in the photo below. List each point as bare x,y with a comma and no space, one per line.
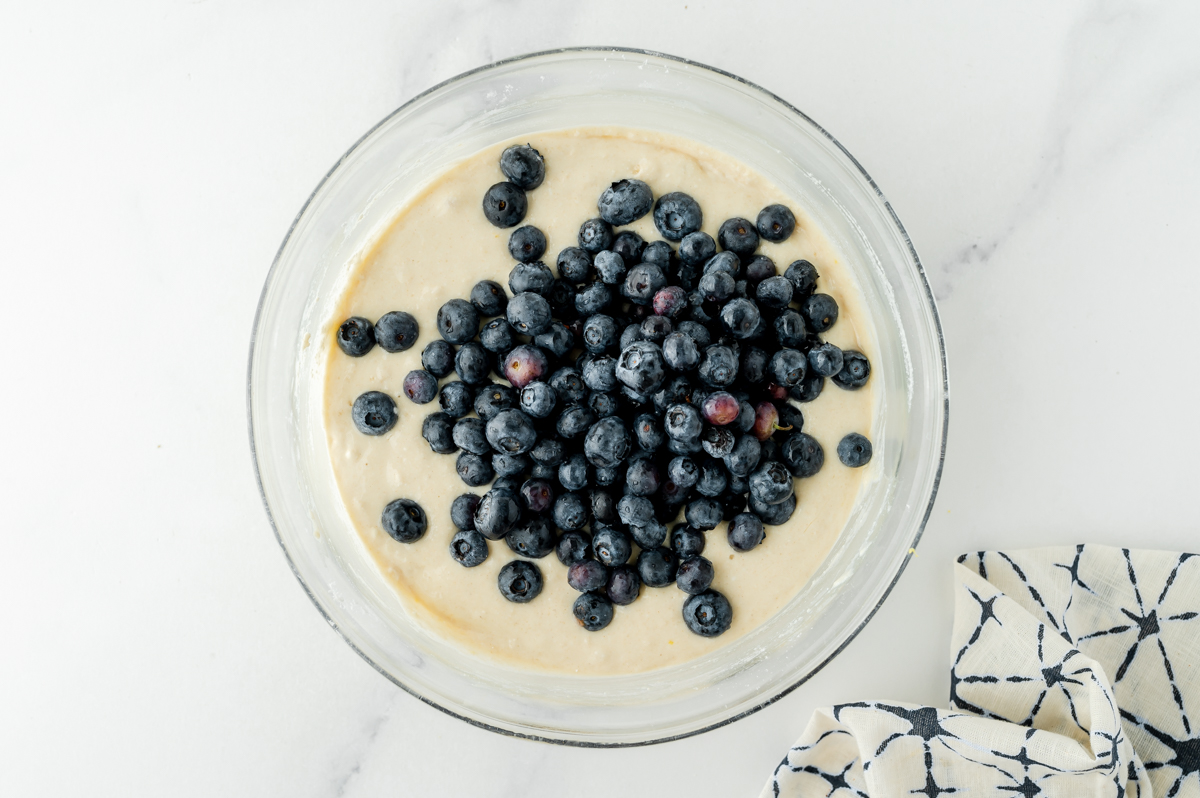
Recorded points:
1074,671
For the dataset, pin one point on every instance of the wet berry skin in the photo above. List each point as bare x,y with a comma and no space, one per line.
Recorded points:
610,267
438,358
657,566
775,223
718,441
660,254
802,454
741,317
497,513
356,336
825,359
612,546
686,542
669,301
640,366
469,436
574,264
697,248
404,520
509,465
694,575
525,364
472,363
473,469
534,539
573,472
396,331
520,581
438,430
595,235
677,215
774,292
649,535
599,373
683,471
624,584
456,399
573,547
810,387
716,287
854,450
720,408
703,514
575,421
803,277
374,413
820,312
489,298
629,245
744,458
745,532
642,477
511,432
648,432
533,277
766,420
642,282
523,166
592,299
497,336
739,236
681,352
774,514
682,422
625,201
760,268
504,205
787,367
855,371
529,313
558,340
462,511
771,483
537,495
458,321
527,244
587,575
569,512
468,548
538,399
594,611
719,366
599,333
708,614
789,329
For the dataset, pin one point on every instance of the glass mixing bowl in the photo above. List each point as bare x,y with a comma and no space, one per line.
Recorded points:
556,90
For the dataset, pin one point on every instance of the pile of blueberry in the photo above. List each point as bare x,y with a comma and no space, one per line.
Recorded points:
644,380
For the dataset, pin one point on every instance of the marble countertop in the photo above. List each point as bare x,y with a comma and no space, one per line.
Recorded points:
1043,156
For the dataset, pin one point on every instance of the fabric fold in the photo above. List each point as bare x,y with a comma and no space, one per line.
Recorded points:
1074,671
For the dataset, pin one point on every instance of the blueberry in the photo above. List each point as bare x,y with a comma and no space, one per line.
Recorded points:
438,358
790,420
511,432
607,443
497,513
534,539
648,432
572,547
569,512
694,575
820,312
468,548
774,514
697,248
574,264
682,422
606,477
789,329
744,457
660,254
456,399
538,399
854,450
458,321
803,277
753,364
810,387
635,510
718,441
771,483
404,520
770,451
568,385
472,363
640,367
680,351
595,235
696,331
356,336
536,494
592,299
612,546
676,215
510,484
825,359
525,364
510,465
497,335
624,584
547,452
374,413
745,532
473,469
787,367
699,308
527,244
686,447
488,298
760,268
707,614
396,331
540,471
677,390
739,236
774,292
523,166
656,328
669,301
714,479
437,429
702,514
469,436
741,289
504,205
775,223
462,511
719,366
573,473
603,405
594,611
575,421
716,287
747,417
631,334
649,535
856,369
586,575
625,201
629,245
740,316
420,386
530,278
802,454
529,313
683,471
642,282
600,374
558,340
657,566
520,581
642,477
599,333
686,541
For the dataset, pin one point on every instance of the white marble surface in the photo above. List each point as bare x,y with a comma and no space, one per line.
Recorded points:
1043,156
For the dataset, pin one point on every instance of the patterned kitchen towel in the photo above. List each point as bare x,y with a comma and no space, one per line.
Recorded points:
1074,672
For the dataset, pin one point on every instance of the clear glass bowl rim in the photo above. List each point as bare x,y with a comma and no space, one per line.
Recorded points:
920,273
